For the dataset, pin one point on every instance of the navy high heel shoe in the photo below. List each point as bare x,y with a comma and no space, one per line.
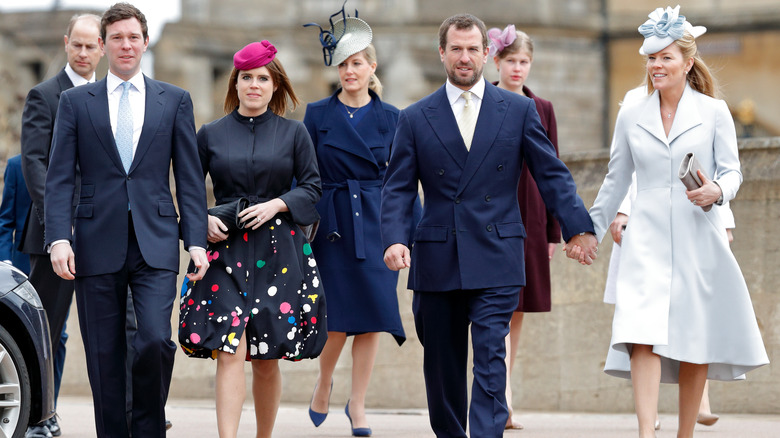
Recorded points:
316,417
356,431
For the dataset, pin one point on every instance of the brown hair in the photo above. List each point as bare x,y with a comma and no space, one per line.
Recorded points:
123,11
699,77
278,103
76,18
522,42
461,22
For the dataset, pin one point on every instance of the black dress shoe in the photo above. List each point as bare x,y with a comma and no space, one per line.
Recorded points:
168,424
38,431
54,426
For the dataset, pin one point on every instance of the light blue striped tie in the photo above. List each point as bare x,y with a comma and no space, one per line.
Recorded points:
124,128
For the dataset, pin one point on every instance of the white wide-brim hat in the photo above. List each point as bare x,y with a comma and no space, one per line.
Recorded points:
664,27
353,35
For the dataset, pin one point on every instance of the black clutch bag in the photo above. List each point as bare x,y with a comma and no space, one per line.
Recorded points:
689,174
228,213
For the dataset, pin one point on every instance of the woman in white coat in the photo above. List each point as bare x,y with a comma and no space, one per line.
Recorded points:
683,313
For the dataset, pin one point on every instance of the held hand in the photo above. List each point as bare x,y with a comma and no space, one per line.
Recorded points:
63,261
617,226
256,215
201,262
551,247
217,230
707,194
397,257
582,248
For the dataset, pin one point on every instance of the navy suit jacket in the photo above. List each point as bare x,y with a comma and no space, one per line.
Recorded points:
40,111
471,235
83,137
13,212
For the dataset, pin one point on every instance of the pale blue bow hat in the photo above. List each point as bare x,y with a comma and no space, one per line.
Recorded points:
665,27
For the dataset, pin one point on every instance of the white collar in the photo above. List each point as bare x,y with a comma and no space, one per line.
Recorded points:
76,78
113,81
453,92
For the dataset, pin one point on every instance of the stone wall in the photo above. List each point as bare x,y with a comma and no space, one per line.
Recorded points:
562,352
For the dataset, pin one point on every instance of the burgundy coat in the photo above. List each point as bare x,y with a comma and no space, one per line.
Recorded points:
540,226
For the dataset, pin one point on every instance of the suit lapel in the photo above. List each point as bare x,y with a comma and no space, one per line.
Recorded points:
64,82
155,104
687,116
491,116
442,121
97,108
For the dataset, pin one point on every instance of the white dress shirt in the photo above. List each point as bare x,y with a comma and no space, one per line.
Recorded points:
76,78
457,102
137,97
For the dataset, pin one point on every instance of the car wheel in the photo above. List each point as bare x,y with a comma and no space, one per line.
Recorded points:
14,388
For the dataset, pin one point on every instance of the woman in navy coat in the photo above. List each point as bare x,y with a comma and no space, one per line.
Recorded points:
352,133
513,55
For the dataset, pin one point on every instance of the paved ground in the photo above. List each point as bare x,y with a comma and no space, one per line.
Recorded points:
196,418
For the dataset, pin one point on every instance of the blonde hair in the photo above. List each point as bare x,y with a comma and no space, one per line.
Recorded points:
278,103
373,82
522,42
699,77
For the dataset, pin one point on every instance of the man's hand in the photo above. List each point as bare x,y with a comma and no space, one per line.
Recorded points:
397,257
201,262
617,226
63,261
583,248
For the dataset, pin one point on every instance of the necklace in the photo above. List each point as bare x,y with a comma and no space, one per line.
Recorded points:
352,113
668,115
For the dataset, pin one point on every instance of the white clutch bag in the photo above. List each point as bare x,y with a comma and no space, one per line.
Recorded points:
689,175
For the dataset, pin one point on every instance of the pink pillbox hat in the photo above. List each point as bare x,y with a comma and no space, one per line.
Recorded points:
254,55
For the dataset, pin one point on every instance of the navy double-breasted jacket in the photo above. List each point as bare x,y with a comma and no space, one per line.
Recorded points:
471,235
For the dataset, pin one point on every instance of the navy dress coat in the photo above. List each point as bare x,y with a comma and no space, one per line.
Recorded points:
361,290
13,213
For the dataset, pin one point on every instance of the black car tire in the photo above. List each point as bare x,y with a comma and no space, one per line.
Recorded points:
13,368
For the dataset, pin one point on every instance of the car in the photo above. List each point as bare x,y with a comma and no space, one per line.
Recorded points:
26,363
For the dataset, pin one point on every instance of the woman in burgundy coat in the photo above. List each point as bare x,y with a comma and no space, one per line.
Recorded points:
512,53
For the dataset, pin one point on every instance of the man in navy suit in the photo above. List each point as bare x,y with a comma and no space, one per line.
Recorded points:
124,133
463,265
13,211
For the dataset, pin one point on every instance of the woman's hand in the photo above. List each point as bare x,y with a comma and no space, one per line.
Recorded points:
707,194
256,215
217,230
617,226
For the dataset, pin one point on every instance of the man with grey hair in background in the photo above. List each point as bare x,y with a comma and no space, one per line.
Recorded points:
84,48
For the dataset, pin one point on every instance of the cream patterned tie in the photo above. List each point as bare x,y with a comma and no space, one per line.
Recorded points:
467,120
124,128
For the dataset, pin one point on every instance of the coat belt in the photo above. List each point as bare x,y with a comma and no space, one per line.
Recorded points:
353,187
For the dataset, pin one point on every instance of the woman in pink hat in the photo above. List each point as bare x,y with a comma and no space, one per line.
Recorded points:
513,54
262,299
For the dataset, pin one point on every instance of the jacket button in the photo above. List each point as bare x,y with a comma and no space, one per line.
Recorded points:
500,167
441,172
129,178
489,228
457,200
487,198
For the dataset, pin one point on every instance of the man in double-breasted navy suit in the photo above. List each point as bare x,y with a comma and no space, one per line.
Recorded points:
463,266
123,133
